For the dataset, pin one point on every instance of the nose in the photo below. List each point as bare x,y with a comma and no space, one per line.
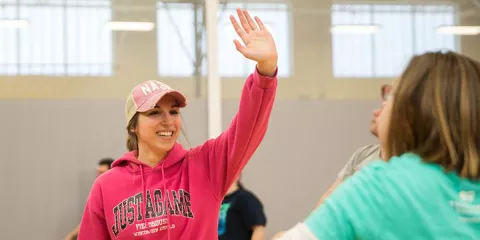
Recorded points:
167,119
377,112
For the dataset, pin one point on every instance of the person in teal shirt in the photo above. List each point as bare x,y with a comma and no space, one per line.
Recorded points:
429,188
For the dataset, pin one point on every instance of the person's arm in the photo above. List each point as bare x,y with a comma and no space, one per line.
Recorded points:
348,170
328,192
93,224
224,157
299,231
258,233
73,233
355,205
253,215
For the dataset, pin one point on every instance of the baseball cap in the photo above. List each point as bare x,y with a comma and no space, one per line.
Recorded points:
145,96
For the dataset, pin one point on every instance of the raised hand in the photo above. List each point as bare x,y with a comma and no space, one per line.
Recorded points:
259,43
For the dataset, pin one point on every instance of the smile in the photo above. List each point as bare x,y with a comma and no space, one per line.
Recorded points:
165,134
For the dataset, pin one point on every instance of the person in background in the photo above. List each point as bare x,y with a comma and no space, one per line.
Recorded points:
363,155
241,215
104,165
428,188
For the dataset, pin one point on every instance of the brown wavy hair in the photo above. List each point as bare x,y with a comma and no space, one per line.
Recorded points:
436,112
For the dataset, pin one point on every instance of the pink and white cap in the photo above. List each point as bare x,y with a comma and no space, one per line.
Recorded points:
145,96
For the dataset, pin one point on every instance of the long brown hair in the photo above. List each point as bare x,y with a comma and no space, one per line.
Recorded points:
436,112
132,140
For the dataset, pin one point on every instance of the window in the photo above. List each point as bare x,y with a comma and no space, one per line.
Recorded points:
176,39
177,52
64,38
405,30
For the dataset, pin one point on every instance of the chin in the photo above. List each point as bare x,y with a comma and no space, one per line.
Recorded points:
165,147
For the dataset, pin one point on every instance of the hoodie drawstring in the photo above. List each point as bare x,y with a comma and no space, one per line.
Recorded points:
166,202
144,206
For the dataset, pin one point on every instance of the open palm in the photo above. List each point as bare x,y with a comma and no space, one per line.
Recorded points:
259,43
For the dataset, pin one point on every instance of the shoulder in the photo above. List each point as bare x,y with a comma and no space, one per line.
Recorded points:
368,150
200,151
246,193
248,196
110,176
398,184
399,172
364,155
411,166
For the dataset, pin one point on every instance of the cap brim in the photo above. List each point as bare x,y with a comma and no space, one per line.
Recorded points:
151,102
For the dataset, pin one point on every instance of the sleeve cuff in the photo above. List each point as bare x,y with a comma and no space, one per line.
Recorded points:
300,231
265,81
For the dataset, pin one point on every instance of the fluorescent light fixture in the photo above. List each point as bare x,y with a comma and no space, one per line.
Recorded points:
459,30
354,29
130,26
13,23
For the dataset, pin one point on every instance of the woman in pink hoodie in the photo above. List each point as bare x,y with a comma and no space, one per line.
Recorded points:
158,190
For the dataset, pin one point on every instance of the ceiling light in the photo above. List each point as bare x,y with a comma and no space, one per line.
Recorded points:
13,23
459,30
130,26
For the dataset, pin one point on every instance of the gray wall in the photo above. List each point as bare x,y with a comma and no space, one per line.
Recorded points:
50,149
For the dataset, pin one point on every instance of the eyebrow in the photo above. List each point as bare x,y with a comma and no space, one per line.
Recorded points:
173,105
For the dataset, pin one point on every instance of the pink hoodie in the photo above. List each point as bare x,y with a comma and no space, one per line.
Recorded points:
180,198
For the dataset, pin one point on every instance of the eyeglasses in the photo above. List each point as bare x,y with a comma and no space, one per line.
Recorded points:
386,92
388,96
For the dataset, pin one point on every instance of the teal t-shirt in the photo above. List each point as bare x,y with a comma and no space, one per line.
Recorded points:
402,199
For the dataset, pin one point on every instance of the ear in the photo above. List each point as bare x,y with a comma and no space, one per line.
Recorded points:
133,130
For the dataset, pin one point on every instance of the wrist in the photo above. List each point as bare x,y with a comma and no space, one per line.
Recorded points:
267,68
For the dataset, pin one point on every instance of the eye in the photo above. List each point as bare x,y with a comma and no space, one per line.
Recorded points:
174,112
154,112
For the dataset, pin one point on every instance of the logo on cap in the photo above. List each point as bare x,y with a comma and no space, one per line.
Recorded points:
152,86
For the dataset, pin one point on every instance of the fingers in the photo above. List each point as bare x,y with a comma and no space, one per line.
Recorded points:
247,24
260,23
238,46
241,33
243,21
250,21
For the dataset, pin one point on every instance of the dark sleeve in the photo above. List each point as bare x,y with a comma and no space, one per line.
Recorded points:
252,210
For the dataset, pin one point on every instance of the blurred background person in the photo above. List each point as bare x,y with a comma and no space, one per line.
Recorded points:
104,165
363,155
241,215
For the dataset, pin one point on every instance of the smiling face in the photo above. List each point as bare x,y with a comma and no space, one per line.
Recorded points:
158,129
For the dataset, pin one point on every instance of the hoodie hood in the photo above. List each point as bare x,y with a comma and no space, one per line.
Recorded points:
130,161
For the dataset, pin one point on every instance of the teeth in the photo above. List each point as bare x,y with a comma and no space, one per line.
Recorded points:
167,134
